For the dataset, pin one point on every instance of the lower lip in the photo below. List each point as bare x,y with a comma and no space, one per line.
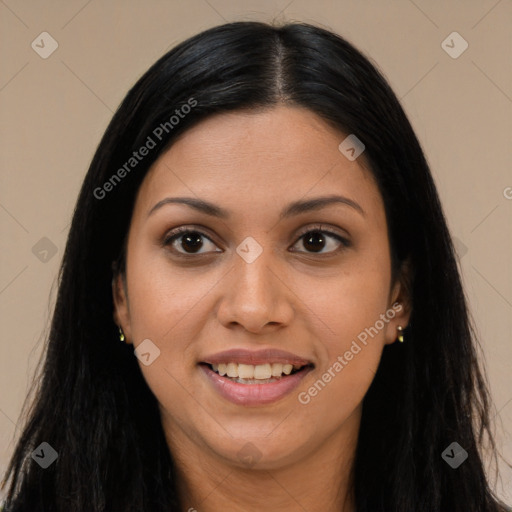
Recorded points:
254,394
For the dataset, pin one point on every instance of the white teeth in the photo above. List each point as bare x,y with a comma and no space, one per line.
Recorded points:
262,371
258,372
246,371
232,370
277,370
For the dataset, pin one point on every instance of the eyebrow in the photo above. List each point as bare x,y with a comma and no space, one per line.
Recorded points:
295,208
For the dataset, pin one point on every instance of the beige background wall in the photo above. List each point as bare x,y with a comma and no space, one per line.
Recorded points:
54,110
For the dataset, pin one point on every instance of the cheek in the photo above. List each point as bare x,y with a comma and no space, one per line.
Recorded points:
166,307
351,301
162,296
161,308
351,306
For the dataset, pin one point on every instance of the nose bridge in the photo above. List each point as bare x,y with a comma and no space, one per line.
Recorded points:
253,270
255,296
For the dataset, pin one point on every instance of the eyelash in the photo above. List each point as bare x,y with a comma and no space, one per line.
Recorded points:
175,234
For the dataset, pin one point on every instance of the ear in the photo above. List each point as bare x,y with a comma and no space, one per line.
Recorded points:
400,302
121,307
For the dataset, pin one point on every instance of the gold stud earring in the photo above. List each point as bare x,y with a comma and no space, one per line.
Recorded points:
121,334
400,334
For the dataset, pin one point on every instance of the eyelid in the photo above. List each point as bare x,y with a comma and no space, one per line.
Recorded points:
324,229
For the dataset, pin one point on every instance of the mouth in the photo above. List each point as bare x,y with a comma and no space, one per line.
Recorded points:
254,385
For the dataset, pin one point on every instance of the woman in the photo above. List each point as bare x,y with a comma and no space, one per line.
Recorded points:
259,305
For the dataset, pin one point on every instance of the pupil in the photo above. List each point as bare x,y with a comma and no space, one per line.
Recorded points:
193,239
314,237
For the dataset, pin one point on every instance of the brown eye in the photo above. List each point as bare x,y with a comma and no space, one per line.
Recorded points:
188,241
316,240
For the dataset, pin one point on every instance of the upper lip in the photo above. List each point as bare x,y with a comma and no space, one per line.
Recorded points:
255,357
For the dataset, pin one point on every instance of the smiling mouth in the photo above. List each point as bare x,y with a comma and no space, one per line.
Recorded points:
256,374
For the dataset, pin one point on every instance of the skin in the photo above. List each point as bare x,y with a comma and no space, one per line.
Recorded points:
308,303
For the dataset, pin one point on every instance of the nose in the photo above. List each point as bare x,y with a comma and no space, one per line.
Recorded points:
256,296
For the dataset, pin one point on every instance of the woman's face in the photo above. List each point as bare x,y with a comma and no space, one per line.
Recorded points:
267,284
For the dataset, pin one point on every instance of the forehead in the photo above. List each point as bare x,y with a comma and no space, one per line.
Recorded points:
250,159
